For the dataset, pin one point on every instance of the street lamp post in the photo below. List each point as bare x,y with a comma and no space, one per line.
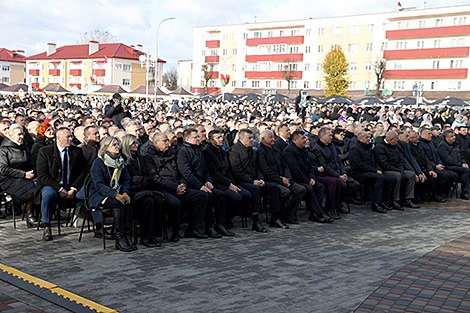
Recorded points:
147,61
156,55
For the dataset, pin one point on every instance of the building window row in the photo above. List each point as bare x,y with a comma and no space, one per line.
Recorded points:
5,68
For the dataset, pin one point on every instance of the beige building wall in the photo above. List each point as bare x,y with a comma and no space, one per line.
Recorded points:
17,73
137,76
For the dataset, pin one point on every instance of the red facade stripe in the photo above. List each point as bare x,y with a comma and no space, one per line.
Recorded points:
275,40
427,73
428,32
427,53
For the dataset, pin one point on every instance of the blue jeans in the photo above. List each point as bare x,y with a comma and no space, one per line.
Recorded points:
49,197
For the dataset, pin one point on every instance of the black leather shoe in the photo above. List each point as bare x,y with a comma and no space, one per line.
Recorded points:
320,218
223,231
354,201
148,243
377,208
210,231
464,196
257,226
194,234
289,220
131,243
384,206
342,210
157,243
122,245
438,199
334,214
31,221
175,236
409,204
397,206
228,225
99,234
47,235
277,223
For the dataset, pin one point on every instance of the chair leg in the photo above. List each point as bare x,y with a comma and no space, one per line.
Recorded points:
104,239
83,225
58,220
13,211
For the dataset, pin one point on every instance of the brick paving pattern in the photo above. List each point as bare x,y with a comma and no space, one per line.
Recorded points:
10,305
309,268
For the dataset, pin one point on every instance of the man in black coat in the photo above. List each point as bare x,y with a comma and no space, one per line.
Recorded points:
445,178
90,145
436,136
60,175
365,170
389,160
283,137
451,158
463,141
244,169
218,165
193,169
303,173
274,170
116,111
161,164
327,157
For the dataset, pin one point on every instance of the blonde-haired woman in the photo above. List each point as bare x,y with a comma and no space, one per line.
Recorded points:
110,188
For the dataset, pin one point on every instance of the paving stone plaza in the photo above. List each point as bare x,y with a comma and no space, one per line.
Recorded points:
412,261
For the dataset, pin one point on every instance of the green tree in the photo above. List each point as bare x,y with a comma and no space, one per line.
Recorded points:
335,72
170,79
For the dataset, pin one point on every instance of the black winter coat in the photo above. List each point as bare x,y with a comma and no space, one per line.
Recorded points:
219,167
192,166
162,169
387,156
299,166
409,161
362,159
327,157
270,164
420,157
15,160
243,164
280,144
450,154
464,145
430,152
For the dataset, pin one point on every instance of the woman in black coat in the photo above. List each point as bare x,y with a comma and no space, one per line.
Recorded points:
17,171
146,202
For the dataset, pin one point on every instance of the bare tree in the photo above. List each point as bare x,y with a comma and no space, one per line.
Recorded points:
170,79
379,65
288,71
208,74
97,35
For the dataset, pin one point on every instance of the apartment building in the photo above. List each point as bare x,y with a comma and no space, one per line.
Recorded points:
12,66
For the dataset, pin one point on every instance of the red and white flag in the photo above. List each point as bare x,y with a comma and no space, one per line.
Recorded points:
399,4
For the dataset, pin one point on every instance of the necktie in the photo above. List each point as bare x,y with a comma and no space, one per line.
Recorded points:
65,169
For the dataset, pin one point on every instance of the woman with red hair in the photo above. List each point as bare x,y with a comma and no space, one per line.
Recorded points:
45,137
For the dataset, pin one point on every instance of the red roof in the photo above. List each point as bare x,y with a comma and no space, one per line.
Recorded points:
11,56
108,50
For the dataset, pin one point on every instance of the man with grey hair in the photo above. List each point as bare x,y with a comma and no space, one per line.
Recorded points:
389,160
274,170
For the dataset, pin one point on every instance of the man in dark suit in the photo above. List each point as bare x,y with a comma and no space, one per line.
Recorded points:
60,174
90,146
274,170
283,133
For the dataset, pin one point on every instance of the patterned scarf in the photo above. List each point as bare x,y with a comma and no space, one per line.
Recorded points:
116,162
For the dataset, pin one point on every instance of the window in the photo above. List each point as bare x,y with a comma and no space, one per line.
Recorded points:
268,83
224,37
318,84
455,85
319,67
421,24
224,51
336,31
203,37
214,52
458,42
352,67
435,64
258,34
126,82
399,65
403,25
279,48
369,47
437,43
234,83
214,36
420,44
307,67
293,84
383,47
270,33
294,49
439,22
353,47
306,84
366,85
212,83
126,67
243,68
292,67
400,45
460,21
320,49
433,85
245,35
456,63
321,32
308,32
368,67
281,33
244,83
307,49
255,84
244,51
352,86
6,68
399,84
294,32
234,67
265,66
353,30
234,51
279,68
370,28
6,79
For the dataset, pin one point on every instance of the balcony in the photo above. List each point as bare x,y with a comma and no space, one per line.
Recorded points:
212,59
213,44
76,72
428,32
275,40
427,73
100,72
212,75
54,72
426,53
271,74
79,86
275,57
35,85
34,72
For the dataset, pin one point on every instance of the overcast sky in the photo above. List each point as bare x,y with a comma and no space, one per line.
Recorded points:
30,24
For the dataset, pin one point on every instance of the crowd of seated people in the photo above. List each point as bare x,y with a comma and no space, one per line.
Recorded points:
205,169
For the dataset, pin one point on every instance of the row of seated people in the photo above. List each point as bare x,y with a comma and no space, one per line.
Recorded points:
199,180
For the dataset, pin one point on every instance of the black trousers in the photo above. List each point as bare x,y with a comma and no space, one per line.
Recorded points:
382,185
445,179
269,190
216,199
464,176
235,201
348,189
148,211
193,200
314,197
291,197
